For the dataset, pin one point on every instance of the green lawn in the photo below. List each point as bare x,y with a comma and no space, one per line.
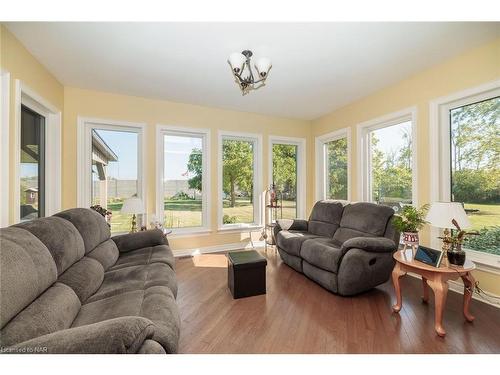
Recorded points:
488,215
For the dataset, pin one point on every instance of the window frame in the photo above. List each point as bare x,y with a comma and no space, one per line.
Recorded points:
301,167
4,148
84,158
364,150
321,174
257,188
52,163
440,156
161,131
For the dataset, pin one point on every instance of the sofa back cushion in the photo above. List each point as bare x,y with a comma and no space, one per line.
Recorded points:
325,217
27,269
61,238
91,225
363,219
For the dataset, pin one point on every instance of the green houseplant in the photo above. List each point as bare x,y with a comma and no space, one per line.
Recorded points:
409,222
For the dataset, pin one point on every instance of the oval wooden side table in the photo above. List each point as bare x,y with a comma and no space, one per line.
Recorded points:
437,279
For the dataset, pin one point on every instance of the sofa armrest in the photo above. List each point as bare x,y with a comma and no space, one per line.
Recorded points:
138,240
370,244
115,336
290,224
293,224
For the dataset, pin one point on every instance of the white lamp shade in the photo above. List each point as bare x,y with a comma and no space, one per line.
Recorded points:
263,65
236,60
442,213
133,205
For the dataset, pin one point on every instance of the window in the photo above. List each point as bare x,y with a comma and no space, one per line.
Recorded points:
37,156
183,156
333,161
239,179
111,168
464,138
387,156
287,173
32,170
475,169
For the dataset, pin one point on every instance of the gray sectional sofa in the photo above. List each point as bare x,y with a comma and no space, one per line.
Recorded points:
345,247
66,286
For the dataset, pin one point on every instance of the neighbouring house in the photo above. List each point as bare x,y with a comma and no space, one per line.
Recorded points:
102,154
31,195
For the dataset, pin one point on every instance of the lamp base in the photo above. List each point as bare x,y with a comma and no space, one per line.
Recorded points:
133,229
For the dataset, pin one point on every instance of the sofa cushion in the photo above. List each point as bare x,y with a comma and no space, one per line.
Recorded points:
156,303
291,241
27,269
106,253
84,277
325,218
61,238
54,310
146,255
136,278
322,252
363,220
91,225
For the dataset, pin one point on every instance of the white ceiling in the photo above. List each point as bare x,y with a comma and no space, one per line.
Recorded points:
317,67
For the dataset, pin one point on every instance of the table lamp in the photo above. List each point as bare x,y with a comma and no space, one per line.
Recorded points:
441,215
133,206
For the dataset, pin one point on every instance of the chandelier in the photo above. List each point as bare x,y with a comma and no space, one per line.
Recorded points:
242,71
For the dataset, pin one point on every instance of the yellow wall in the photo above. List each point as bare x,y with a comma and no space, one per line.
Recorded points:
85,103
24,67
473,68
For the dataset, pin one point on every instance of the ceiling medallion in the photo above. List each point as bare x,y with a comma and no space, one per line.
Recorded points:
242,71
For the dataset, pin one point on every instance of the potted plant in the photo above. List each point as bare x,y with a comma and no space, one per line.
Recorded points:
456,255
409,222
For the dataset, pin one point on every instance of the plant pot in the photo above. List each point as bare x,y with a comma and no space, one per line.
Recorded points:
456,258
410,238
456,255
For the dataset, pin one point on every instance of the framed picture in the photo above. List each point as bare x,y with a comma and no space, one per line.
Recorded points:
429,256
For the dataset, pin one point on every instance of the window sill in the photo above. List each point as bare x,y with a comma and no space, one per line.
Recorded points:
240,228
188,232
484,261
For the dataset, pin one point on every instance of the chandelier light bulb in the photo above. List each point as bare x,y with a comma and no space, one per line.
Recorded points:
263,65
236,60
248,78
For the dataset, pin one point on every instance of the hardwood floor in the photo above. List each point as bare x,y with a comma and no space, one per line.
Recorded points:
298,316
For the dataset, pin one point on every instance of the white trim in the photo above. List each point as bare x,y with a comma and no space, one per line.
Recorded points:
257,174
84,156
364,149
217,249
320,157
439,135
4,148
301,168
24,95
204,134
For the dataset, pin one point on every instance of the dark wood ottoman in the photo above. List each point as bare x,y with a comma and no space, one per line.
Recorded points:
246,273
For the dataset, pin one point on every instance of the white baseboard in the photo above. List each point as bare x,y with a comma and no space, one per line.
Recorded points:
458,287
217,248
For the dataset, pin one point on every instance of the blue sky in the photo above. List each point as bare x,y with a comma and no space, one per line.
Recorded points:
124,145
391,138
177,151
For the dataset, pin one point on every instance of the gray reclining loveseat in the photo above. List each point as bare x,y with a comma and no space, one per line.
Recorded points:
345,247
67,287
